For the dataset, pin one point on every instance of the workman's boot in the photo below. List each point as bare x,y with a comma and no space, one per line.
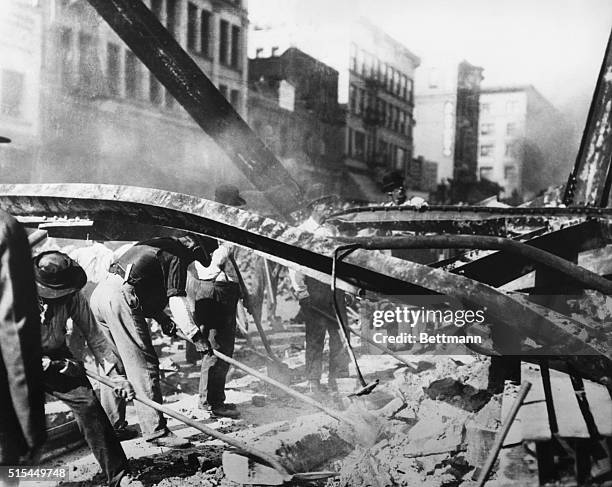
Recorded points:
170,440
126,433
224,411
129,481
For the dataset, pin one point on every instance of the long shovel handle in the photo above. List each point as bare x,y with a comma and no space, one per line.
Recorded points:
366,339
267,458
298,395
275,383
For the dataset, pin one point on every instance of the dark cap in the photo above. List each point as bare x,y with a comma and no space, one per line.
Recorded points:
228,194
392,180
57,275
4,140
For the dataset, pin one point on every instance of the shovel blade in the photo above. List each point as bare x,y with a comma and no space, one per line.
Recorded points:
246,470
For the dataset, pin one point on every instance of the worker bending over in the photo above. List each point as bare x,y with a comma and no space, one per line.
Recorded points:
141,283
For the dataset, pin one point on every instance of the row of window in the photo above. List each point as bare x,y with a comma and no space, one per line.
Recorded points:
489,128
376,111
125,75
364,147
200,37
510,173
512,106
391,79
488,150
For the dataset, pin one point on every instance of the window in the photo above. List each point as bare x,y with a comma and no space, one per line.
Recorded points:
192,21
205,33
235,60
235,98
112,68
410,89
223,90
155,91
361,100
131,75
486,129
65,42
510,149
352,98
486,150
171,16
87,60
359,145
11,101
485,108
350,142
486,173
512,106
511,129
510,173
224,41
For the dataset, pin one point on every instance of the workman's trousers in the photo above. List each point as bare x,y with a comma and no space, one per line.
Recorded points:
316,326
217,313
128,329
99,434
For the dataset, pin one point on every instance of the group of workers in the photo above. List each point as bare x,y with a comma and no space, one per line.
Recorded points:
36,302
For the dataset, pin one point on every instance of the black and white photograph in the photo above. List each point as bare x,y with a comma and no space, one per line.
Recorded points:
325,243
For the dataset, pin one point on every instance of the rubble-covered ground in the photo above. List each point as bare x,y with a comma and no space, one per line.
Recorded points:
438,417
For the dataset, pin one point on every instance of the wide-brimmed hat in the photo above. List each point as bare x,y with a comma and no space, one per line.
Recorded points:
228,194
57,275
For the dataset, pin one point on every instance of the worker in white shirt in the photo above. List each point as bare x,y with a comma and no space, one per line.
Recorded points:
218,289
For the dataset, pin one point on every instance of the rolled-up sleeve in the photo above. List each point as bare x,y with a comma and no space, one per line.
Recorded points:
84,319
20,348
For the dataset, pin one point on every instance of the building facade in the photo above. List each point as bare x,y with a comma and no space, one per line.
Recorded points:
375,84
293,107
447,114
104,118
524,142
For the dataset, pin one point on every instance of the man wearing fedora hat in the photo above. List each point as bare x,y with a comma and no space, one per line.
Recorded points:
149,276
59,280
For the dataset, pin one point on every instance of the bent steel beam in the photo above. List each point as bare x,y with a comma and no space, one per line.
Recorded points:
585,277
297,248
172,66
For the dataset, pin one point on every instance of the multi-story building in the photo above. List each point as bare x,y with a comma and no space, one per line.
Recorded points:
524,142
293,107
21,41
103,117
447,118
375,82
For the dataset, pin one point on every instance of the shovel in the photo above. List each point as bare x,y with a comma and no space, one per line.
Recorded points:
366,431
276,474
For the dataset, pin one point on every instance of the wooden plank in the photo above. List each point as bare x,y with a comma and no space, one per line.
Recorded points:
569,417
515,435
600,404
533,415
